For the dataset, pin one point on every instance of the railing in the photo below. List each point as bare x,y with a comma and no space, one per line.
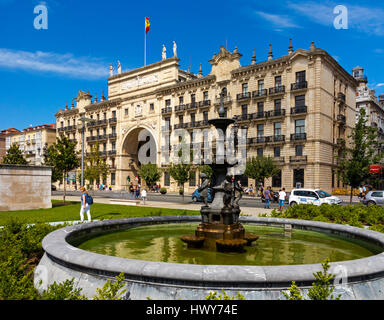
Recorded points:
294,159
341,118
226,99
243,96
192,105
178,108
299,85
259,140
204,103
259,115
166,110
276,113
341,96
298,136
260,93
113,120
279,160
277,90
299,110
280,138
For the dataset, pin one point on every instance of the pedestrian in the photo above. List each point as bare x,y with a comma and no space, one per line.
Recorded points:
261,189
137,192
110,187
282,196
131,191
360,192
144,195
267,196
364,190
251,190
86,202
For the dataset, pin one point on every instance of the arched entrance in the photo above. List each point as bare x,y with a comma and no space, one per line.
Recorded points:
139,146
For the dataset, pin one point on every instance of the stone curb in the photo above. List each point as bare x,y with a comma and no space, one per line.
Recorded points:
60,251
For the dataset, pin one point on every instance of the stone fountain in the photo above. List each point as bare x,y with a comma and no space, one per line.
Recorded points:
220,228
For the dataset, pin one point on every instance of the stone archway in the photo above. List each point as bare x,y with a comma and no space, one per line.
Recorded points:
129,160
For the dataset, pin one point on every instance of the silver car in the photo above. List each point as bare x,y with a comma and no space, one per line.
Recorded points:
374,198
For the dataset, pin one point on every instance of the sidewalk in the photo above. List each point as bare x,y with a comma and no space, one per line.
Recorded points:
169,205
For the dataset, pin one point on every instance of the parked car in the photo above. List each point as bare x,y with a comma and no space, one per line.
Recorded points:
374,198
53,187
311,196
196,197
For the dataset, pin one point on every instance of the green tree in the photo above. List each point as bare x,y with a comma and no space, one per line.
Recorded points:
180,172
354,161
14,156
64,158
150,173
207,170
261,168
48,160
95,167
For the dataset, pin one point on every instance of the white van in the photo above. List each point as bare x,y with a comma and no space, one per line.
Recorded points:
312,196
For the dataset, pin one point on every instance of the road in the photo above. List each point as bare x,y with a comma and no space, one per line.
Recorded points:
246,202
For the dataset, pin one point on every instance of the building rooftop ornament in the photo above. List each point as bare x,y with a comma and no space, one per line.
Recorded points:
254,57
200,71
96,98
270,54
174,49
66,106
164,53
102,96
111,70
118,67
313,47
290,48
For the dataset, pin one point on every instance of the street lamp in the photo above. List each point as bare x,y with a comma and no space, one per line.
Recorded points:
83,120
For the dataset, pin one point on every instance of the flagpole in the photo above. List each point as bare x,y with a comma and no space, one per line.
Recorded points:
145,45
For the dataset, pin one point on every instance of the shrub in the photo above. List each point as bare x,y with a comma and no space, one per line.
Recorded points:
163,190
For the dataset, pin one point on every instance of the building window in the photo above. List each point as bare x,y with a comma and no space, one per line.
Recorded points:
192,180
298,178
104,147
260,108
260,130
114,114
181,100
126,112
151,107
277,129
260,152
244,110
193,117
113,130
205,95
260,85
299,150
193,98
299,101
276,180
205,115
244,88
181,119
300,127
278,81
300,77
113,178
167,103
276,152
278,105
167,179
113,146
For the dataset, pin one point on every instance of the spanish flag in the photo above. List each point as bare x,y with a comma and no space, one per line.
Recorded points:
147,24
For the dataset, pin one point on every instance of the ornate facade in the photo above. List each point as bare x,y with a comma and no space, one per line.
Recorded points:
297,109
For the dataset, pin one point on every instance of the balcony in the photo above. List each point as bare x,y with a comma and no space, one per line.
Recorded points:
166,110
112,120
299,110
341,97
303,85
279,160
97,138
276,113
226,100
204,103
341,119
179,108
278,138
191,106
298,137
262,93
113,136
298,159
277,90
103,122
258,140
243,96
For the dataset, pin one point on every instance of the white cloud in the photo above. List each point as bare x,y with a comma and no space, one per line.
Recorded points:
380,85
365,19
49,62
279,21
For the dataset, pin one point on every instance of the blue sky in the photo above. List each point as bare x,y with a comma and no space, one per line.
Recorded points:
41,70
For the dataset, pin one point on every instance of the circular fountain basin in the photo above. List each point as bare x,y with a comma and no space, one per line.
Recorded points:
361,278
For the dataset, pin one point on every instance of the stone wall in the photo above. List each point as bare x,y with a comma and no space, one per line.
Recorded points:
25,187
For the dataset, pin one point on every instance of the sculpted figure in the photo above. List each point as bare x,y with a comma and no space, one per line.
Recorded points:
203,189
228,189
174,49
238,190
164,54
118,67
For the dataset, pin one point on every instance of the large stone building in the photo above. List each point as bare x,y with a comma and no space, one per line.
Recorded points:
297,109
366,98
32,141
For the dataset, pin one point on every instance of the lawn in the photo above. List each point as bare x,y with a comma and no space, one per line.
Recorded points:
99,211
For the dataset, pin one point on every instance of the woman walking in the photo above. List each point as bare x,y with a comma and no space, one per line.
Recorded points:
84,205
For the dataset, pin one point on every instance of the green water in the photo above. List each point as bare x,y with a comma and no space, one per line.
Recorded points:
275,247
